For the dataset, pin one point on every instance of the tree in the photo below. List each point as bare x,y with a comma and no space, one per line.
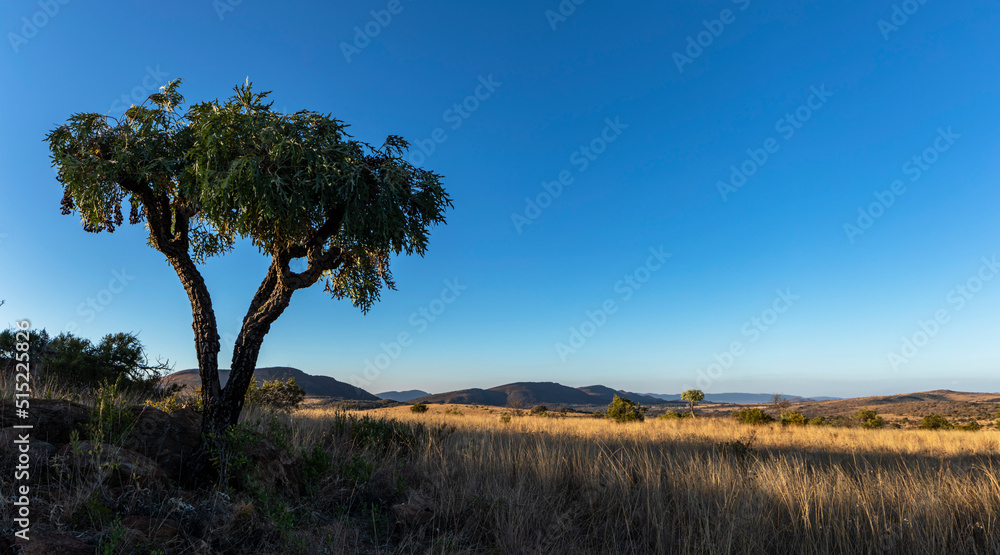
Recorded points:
780,403
625,410
693,396
294,185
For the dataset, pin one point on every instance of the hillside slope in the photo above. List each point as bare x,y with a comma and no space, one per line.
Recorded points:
319,386
528,394
941,401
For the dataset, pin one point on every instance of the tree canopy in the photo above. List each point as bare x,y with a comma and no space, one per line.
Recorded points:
296,185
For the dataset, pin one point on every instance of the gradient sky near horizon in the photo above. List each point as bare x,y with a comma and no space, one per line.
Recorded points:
640,121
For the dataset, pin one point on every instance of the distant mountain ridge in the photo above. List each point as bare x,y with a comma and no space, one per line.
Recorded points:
319,386
402,396
528,394
742,398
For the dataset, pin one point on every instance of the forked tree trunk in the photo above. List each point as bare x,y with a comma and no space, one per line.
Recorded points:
270,301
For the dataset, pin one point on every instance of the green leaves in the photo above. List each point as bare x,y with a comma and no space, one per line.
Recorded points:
293,184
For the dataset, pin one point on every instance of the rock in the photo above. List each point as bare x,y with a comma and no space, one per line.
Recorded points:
49,542
52,419
169,439
117,467
159,530
273,468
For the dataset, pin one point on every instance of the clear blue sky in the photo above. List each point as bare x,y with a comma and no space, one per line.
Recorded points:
661,120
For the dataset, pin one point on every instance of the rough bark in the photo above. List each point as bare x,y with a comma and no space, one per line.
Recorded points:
269,302
169,225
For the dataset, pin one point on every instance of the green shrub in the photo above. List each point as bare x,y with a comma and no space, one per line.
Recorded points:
418,407
817,421
752,416
598,414
228,453
283,395
505,418
539,409
792,418
110,420
971,426
868,418
934,421
315,464
625,410
669,415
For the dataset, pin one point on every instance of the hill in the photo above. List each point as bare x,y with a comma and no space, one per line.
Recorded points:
942,401
402,396
528,394
318,386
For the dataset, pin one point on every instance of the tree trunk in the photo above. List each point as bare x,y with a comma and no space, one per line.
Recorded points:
206,337
270,301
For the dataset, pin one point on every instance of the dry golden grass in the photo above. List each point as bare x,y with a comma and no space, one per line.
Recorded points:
580,484
574,484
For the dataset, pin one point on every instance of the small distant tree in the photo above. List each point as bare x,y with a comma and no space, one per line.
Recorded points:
693,396
420,407
539,409
780,403
625,410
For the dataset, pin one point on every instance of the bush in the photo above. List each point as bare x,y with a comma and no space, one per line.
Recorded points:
934,421
504,418
625,410
539,409
817,421
418,407
118,358
669,415
793,418
971,426
276,394
868,418
752,416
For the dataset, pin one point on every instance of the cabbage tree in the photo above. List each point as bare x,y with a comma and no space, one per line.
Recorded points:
297,186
